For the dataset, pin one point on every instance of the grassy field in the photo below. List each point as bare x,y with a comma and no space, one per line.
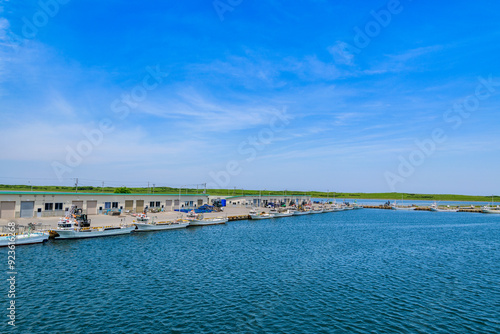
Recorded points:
239,192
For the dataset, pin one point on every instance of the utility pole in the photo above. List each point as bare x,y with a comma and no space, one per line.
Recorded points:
102,187
180,189
153,188
76,185
148,188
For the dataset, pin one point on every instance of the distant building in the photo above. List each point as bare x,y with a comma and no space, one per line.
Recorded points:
260,200
21,204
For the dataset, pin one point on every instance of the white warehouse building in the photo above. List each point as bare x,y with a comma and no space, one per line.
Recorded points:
21,204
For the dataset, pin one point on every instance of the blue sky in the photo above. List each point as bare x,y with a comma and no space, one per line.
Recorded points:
256,95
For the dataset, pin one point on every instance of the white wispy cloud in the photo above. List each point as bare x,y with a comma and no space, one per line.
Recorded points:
195,111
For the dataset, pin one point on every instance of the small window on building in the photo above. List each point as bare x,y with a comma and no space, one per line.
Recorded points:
59,206
107,205
151,204
49,206
115,205
157,204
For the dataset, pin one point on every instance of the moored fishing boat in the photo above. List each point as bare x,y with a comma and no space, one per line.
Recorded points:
303,212
404,208
208,221
395,206
434,207
76,226
163,225
489,209
27,238
196,219
257,216
286,213
357,206
70,229
345,207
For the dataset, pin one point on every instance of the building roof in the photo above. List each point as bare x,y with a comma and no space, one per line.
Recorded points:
89,194
257,195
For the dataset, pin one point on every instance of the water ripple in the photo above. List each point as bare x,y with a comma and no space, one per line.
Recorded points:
356,272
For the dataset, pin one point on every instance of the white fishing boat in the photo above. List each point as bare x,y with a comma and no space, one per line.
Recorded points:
257,216
261,216
356,206
314,211
286,213
76,226
336,208
208,221
490,209
196,219
70,229
405,208
434,207
162,225
27,238
301,213
394,206
345,207
273,211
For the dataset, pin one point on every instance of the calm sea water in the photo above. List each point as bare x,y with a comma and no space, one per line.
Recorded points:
347,272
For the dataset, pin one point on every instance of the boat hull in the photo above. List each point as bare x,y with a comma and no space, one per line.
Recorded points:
490,211
443,210
206,222
260,217
301,213
91,233
24,239
145,227
279,215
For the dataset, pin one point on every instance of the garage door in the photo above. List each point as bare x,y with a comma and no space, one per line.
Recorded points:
200,202
91,207
27,209
139,205
8,210
129,205
78,204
